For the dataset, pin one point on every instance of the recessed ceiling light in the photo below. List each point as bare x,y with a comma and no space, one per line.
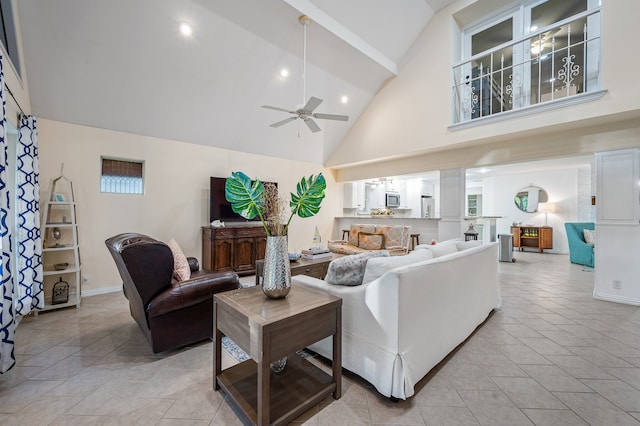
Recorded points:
533,28
344,99
284,73
185,29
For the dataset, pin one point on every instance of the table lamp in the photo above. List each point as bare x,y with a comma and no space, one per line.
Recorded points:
546,208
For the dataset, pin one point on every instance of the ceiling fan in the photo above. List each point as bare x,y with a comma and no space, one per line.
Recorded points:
544,40
304,111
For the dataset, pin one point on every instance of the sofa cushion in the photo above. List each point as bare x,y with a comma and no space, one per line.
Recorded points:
349,270
443,248
370,241
394,236
181,269
354,230
589,236
463,245
379,266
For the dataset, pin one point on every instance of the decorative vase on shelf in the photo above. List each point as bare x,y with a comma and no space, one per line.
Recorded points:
276,281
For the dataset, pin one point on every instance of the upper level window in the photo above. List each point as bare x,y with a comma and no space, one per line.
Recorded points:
122,176
8,33
534,53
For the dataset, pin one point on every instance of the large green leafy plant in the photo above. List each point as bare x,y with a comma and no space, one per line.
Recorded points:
253,198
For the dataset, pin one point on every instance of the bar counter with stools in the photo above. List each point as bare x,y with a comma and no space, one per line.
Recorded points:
415,240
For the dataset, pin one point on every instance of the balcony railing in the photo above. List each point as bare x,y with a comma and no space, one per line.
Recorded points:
560,61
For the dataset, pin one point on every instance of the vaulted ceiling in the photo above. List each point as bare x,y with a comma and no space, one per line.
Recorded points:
123,65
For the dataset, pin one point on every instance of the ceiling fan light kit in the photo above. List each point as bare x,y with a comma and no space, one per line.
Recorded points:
304,111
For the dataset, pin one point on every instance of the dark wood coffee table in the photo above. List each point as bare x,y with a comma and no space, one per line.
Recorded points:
268,329
313,267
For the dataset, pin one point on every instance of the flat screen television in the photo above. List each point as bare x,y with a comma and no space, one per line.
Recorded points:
219,207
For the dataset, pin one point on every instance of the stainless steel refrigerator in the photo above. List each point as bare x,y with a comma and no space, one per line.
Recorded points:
428,206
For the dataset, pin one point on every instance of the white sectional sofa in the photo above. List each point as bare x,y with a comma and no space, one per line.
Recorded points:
400,325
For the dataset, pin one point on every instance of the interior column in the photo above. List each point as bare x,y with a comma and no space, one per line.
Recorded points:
452,193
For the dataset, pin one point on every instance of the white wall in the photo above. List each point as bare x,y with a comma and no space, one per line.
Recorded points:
562,188
176,199
405,127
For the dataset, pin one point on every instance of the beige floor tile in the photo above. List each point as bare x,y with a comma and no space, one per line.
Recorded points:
16,398
70,420
225,416
521,354
198,402
41,411
549,341
493,408
599,357
554,417
527,393
448,416
345,414
554,378
182,422
544,346
621,394
383,411
595,409
579,368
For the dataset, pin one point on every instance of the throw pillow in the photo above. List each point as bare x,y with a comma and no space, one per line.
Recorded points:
443,248
370,241
377,267
356,229
589,236
349,270
394,236
181,270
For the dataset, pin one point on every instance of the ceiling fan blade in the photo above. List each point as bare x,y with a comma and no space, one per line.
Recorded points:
331,117
312,104
285,121
312,125
277,109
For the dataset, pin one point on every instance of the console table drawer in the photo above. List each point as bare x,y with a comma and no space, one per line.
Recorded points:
316,271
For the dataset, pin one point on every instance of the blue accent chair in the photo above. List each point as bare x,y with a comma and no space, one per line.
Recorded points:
579,251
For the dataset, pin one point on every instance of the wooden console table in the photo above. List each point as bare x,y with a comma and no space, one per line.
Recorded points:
316,268
268,329
537,237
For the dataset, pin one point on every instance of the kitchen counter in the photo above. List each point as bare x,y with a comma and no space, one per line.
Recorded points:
426,228
394,217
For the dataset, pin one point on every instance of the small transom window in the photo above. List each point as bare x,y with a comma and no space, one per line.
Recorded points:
122,176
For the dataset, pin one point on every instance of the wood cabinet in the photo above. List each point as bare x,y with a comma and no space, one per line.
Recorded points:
233,248
536,237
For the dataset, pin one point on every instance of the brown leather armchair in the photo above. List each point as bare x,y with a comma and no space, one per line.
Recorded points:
170,313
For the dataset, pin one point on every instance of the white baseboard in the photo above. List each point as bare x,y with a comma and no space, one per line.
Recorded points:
103,290
617,299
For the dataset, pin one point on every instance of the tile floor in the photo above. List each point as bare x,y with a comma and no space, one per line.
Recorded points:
551,356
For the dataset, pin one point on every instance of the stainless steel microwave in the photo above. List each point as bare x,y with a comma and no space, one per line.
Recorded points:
392,199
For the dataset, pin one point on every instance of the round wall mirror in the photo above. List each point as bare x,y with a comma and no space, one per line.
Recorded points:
527,199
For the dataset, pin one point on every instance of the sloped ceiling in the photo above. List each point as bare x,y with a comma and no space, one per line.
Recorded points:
123,65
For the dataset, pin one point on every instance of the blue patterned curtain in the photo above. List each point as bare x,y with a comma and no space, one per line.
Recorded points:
29,290
7,317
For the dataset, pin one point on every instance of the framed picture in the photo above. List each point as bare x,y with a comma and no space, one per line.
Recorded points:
58,197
